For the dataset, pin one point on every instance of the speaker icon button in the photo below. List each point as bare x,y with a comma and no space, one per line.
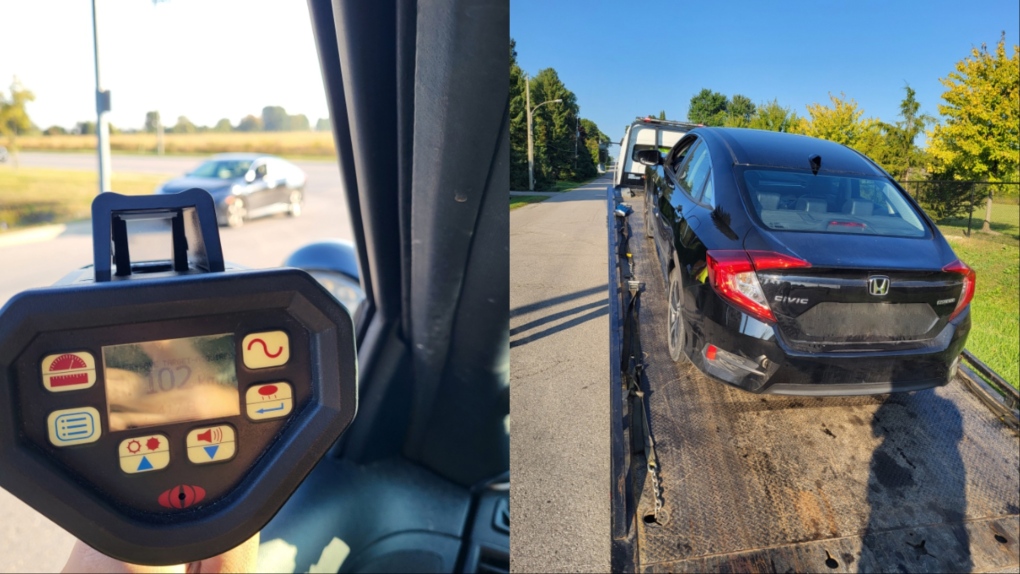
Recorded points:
212,444
144,453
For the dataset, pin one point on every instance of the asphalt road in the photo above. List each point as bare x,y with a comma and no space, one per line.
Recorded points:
559,383
28,541
262,243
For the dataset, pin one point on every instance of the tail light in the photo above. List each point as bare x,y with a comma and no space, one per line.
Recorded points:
969,280
732,274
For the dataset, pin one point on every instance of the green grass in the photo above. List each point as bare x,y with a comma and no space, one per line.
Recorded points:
995,331
568,185
1005,220
522,200
32,196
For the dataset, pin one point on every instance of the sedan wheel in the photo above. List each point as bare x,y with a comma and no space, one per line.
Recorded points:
237,213
294,204
675,323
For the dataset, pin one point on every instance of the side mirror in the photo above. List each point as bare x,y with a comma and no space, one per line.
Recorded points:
650,157
334,264
250,176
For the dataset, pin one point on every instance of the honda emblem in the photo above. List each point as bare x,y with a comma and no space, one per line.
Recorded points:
878,285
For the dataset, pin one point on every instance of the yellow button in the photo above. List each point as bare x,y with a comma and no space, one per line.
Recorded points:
269,401
144,453
69,371
211,444
74,426
268,349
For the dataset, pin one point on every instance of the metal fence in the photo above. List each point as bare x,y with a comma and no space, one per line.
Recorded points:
957,199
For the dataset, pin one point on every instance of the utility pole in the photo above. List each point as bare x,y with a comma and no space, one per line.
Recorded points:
102,109
531,143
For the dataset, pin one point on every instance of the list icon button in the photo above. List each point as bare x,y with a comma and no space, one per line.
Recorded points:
69,427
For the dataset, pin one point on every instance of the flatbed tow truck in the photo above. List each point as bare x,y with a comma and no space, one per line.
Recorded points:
710,478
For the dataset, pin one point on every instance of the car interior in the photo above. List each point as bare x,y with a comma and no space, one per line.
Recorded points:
419,102
796,201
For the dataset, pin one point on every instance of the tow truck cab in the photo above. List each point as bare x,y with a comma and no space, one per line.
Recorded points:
645,133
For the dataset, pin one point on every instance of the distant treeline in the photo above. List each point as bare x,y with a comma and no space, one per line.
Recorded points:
272,119
567,146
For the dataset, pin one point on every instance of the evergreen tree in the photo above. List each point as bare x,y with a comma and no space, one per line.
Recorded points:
708,108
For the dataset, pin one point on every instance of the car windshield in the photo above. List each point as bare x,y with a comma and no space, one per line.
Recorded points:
222,169
799,201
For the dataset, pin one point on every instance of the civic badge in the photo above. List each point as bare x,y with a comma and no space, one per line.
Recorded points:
878,285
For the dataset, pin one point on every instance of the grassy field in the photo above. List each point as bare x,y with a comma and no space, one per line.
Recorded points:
995,334
305,144
1005,220
521,200
34,196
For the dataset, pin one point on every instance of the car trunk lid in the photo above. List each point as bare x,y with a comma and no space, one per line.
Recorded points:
860,291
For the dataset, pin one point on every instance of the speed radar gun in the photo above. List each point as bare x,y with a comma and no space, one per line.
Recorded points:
163,411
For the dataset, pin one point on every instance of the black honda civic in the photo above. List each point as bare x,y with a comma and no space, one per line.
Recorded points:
796,265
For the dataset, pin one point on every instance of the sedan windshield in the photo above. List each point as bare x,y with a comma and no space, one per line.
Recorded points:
222,169
798,201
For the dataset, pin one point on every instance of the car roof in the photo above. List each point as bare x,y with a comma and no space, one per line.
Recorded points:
784,150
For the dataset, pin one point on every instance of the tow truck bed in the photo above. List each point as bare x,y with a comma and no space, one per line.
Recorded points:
924,481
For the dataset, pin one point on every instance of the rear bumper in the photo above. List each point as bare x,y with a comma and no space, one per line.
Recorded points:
752,357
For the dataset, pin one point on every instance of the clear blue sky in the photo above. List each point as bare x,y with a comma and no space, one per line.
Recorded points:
625,59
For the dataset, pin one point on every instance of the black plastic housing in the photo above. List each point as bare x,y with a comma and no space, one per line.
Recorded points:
262,483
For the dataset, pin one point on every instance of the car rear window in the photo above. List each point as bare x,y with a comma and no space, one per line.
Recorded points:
798,201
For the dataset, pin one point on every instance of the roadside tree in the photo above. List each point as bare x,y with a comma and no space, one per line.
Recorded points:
184,126
980,136
774,117
708,108
223,126
14,119
151,122
518,124
249,123
554,128
739,112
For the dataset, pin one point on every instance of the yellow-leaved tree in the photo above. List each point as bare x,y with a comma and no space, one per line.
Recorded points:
843,123
14,119
979,138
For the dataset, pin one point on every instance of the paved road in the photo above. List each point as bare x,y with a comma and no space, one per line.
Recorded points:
28,541
262,243
559,390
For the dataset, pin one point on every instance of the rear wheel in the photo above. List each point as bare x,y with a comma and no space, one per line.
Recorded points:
294,204
674,318
237,213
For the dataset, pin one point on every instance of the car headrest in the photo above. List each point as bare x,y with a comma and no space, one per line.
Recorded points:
768,200
858,207
812,204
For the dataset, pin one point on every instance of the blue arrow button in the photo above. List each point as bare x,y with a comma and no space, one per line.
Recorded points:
145,464
263,411
211,450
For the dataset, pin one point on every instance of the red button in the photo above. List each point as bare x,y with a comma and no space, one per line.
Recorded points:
181,496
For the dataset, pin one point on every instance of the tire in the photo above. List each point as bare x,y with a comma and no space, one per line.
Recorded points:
675,330
294,204
237,213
